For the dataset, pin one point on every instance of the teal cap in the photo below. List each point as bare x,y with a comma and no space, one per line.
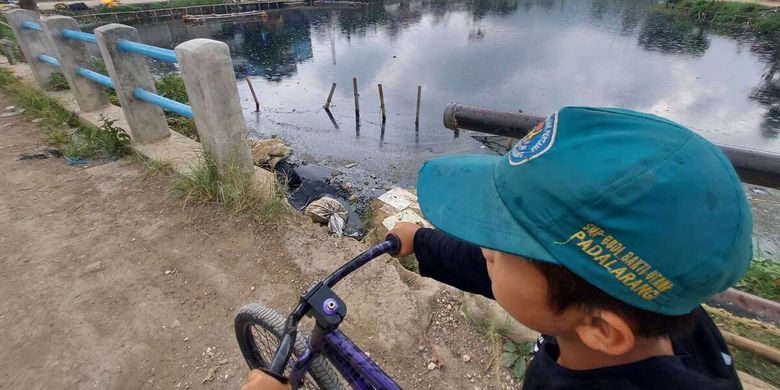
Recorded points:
637,205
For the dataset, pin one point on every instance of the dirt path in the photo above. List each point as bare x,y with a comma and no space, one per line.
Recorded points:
108,283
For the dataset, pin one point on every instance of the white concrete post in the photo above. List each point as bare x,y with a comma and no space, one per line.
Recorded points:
33,44
89,95
211,86
129,71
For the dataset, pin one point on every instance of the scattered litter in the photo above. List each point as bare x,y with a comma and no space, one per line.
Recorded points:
431,366
9,108
405,216
252,288
330,211
186,339
211,374
12,113
37,120
269,152
398,198
465,358
94,267
758,191
76,161
168,272
32,156
350,165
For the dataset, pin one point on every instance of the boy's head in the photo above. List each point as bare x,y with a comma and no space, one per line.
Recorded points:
601,217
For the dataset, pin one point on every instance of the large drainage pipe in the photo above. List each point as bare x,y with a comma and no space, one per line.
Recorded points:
517,125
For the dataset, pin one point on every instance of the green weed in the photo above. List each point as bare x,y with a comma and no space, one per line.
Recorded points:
55,137
515,357
171,86
58,82
762,278
154,167
55,119
98,65
756,17
233,188
749,362
106,141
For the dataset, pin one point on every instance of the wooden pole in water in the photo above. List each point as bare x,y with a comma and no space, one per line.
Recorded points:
382,101
254,96
417,116
355,89
330,95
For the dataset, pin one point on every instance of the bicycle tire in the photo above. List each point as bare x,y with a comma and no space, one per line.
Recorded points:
258,314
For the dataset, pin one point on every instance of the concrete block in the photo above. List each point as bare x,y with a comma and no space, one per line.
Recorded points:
129,71
89,95
33,44
208,75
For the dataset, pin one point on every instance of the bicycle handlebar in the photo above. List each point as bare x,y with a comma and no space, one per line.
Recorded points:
391,245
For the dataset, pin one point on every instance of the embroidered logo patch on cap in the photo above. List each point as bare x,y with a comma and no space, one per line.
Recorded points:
536,142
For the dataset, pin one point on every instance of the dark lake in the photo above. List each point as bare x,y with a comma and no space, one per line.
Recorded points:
534,56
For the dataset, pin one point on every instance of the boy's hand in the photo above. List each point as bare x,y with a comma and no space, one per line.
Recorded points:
258,380
405,232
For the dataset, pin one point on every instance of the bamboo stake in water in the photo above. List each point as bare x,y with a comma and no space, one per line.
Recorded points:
382,101
254,96
417,116
330,95
355,89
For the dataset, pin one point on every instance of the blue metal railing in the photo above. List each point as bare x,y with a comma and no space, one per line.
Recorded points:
164,55
96,77
163,102
49,60
79,36
32,25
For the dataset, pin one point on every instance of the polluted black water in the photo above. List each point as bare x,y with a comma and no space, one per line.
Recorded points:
534,56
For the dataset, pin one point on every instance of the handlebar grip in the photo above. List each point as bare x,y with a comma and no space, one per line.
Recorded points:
396,242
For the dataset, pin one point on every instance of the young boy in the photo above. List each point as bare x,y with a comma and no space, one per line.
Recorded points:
604,230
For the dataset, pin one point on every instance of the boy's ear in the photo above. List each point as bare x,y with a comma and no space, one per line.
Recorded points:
606,332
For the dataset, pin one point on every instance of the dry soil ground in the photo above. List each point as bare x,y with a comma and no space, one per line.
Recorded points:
107,282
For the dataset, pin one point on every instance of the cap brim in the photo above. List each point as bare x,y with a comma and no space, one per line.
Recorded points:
458,195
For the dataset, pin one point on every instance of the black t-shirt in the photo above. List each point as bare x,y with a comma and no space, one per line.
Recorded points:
701,360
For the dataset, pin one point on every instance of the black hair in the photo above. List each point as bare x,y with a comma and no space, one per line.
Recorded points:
566,289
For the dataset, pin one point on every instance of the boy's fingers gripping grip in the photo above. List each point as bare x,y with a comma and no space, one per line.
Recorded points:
396,248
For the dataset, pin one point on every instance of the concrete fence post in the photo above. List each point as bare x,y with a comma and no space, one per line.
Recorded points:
211,86
129,71
89,95
33,43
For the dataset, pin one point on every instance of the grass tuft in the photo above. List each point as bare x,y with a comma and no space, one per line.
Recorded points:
234,189
106,141
762,278
171,86
58,82
730,14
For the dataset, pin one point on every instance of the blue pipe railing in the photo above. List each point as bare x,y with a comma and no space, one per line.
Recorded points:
164,55
49,60
79,36
163,102
32,25
96,77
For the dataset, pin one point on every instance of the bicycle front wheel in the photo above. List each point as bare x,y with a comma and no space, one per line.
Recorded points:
259,331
